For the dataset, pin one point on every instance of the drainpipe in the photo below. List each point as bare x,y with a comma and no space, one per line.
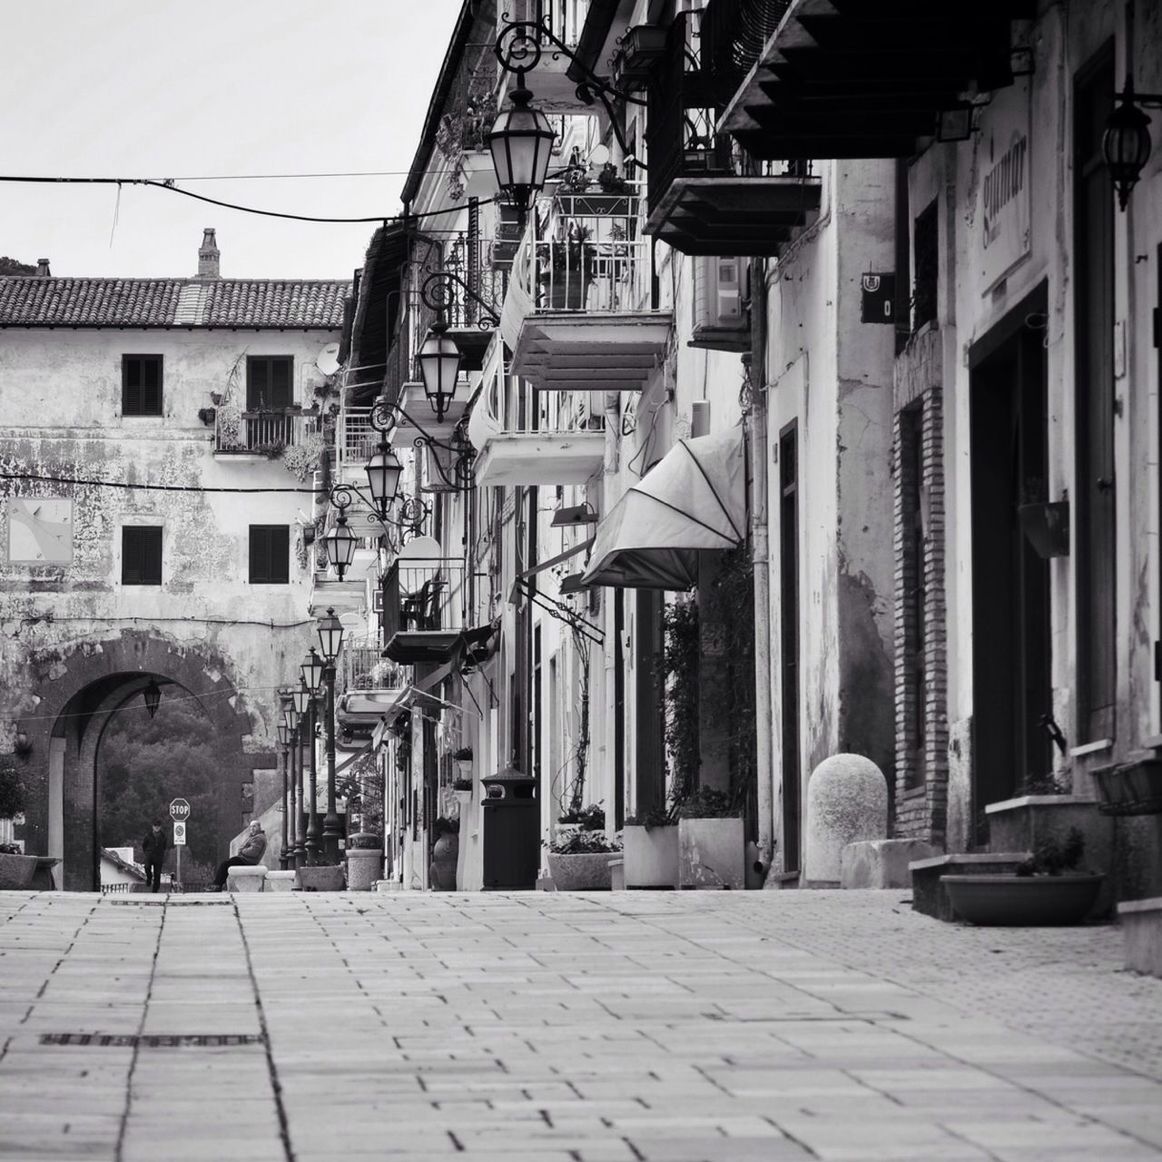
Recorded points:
761,563
609,651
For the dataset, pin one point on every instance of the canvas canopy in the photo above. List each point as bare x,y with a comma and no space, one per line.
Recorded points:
693,498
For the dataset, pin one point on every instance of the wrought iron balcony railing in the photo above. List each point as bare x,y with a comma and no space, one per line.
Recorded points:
365,668
424,594
263,432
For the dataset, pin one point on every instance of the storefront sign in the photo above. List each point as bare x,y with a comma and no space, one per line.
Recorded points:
1003,195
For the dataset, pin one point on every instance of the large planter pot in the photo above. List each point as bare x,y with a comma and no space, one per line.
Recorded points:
588,872
16,872
711,853
651,856
364,867
1023,901
445,852
1022,824
323,878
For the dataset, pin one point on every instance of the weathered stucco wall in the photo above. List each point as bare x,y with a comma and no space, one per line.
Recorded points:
60,394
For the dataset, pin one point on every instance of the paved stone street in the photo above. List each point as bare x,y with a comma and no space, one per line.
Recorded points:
600,1028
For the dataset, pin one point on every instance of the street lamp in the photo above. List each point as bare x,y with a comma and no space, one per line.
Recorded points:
1125,143
330,631
312,671
340,544
284,741
521,141
383,473
439,359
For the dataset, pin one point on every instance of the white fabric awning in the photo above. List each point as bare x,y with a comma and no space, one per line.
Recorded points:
693,498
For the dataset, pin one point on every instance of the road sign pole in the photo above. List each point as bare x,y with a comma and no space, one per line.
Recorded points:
179,869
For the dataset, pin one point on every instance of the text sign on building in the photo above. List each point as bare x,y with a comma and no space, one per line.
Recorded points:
179,810
1003,209
179,835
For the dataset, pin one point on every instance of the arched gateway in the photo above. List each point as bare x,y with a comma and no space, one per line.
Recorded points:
86,688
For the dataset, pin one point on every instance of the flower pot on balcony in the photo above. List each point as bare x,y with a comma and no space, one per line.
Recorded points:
651,856
1132,788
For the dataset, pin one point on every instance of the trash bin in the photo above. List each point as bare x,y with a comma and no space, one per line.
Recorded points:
512,831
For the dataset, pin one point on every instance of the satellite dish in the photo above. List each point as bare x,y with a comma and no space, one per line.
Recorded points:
327,361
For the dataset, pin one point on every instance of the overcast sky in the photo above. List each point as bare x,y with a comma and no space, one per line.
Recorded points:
169,89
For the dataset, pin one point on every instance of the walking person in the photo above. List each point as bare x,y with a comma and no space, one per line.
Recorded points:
251,852
153,849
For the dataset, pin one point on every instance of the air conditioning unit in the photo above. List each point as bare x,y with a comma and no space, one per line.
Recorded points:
719,319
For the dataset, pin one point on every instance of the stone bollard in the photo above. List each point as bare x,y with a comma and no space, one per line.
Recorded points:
847,801
245,878
280,881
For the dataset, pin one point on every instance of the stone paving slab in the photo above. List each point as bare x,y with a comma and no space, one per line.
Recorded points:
624,1027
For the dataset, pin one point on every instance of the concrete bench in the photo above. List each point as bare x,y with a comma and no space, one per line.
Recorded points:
1141,922
246,878
931,897
280,881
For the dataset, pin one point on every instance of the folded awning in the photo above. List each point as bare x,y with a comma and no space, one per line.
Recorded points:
693,498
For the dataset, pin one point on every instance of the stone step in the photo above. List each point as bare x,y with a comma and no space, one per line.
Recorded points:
1141,922
931,897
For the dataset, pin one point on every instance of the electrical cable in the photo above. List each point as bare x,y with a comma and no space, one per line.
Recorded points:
146,487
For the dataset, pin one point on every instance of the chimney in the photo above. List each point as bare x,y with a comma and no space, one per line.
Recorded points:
42,270
208,255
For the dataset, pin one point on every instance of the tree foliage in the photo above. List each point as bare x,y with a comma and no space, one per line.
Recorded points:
144,763
11,266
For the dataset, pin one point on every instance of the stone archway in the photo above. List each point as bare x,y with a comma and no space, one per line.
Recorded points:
86,689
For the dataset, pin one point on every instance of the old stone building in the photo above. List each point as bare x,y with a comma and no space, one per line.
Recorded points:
158,443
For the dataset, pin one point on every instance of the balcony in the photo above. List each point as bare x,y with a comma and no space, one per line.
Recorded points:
560,442
362,667
262,435
856,81
549,81
574,317
705,196
424,604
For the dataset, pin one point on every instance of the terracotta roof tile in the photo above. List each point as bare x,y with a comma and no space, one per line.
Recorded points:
31,301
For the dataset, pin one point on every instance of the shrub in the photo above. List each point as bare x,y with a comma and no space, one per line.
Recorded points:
584,843
707,803
654,817
11,792
591,818
1051,856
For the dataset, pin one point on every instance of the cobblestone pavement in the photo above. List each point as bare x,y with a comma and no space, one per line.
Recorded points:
598,1028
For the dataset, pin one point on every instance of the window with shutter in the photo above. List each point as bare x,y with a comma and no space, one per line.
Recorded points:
141,379
269,555
141,555
269,382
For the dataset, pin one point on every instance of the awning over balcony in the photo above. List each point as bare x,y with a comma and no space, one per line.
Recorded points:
846,79
693,498
731,215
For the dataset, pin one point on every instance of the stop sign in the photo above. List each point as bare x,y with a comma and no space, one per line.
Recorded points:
179,810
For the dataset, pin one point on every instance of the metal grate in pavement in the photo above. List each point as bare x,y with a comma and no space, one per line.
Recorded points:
153,1040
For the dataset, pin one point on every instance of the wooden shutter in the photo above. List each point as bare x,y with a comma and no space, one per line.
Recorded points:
269,382
269,555
141,555
141,381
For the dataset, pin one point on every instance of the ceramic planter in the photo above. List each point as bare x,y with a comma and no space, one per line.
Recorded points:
16,872
711,853
364,867
588,872
651,856
1023,901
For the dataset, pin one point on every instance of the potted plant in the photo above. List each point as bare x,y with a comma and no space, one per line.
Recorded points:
364,860
650,840
567,274
710,841
579,861
1049,888
591,818
206,415
16,869
445,853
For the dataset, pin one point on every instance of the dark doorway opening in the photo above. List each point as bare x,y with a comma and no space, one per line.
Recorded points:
789,639
1010,582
